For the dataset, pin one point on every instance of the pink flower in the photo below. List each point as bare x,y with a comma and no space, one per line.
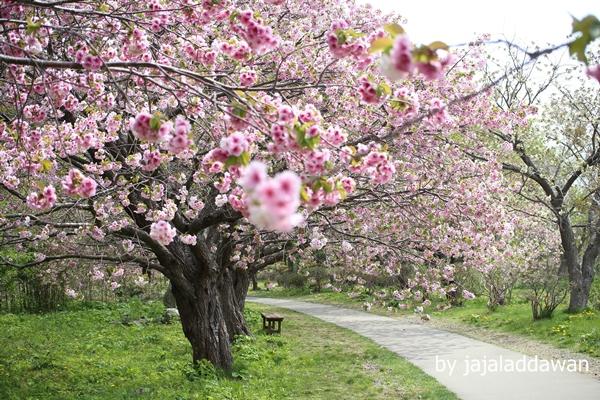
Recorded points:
162,232
272,202
248,78
221,200
368,92
439,113
285,113
44,200
315,161
142,129
235,144
188,239
180,140
401,56
91,63
151,160
348,184
594,72
87,187
76,184
335,136
253,175
119,272
434,69
259,37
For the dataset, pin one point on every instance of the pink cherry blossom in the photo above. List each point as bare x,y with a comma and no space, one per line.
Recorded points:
76,184
188,239
594,72
235,144
162,232
43,200
141,128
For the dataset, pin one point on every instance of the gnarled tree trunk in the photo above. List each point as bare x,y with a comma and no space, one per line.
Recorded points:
210,299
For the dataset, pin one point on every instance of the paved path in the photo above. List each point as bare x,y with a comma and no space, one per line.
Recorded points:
452,359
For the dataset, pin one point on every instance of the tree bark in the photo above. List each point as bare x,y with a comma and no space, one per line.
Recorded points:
254,283
203,322
581,274
571,260
210,302
590,255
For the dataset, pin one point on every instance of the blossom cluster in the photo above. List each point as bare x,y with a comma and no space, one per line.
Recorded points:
272,202
162,232
260,38
76,184
43,200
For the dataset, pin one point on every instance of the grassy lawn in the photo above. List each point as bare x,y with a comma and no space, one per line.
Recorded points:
103,352
578,332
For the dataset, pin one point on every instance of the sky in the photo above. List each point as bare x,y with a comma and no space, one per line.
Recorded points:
458,21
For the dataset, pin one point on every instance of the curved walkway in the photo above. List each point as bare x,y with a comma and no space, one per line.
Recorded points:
472,369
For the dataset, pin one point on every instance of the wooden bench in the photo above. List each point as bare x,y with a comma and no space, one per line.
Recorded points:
269,322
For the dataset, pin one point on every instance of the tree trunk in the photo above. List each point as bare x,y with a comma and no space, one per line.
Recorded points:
578,297
254,283
212,316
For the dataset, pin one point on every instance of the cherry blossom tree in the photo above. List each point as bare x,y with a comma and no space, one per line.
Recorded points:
198,139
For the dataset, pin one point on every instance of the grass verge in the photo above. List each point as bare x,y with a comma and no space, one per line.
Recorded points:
120,351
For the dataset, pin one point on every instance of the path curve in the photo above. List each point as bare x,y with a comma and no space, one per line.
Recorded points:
452,359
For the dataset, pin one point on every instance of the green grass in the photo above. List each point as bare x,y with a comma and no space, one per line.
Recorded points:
89,353
577,332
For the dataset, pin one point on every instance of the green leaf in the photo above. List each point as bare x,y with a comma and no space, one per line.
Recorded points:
304,194
239,110
393,29
245,158
327,186
300,134
381,44
341,36
32,27
437,45
312,142
155,122
399,104
589,29
424,54
46,165
385,88
353,33
231,160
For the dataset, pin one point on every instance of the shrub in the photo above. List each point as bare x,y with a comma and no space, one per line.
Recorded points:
547,289
30,291
290,279
595,295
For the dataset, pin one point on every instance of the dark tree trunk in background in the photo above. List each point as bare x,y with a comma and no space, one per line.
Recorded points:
581,273
210,299
578,298
169,299
254,282
563,270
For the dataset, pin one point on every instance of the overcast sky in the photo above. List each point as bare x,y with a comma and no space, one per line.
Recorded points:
457,21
